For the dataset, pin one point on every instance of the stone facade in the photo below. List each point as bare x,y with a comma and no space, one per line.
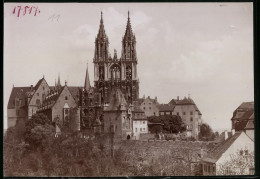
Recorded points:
116,72
189,113
149,106
118,116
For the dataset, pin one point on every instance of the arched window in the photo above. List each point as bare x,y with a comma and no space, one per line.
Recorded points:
115,72
66,111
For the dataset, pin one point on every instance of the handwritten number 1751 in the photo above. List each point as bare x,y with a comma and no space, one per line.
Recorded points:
25,9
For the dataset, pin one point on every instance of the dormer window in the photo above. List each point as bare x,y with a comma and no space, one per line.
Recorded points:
66,97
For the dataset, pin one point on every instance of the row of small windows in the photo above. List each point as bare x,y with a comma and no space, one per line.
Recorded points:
141,122
149,103
141,129
149,108
209,168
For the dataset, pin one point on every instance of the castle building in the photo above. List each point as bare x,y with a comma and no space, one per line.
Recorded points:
189,113
112,104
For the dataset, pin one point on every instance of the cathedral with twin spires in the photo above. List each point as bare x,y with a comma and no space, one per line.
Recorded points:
118,72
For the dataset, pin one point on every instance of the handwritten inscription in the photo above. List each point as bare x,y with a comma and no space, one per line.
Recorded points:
23,10
54,17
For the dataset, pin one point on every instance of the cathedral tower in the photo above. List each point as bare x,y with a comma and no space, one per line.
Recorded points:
111,73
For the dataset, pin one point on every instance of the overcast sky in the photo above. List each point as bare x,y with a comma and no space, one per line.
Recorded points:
201,49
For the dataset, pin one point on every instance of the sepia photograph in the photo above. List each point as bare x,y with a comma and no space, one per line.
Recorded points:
128,89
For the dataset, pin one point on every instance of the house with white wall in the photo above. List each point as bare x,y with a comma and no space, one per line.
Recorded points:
238,144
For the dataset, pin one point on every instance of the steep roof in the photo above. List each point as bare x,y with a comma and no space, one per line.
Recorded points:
217,152
38,83
247,105
74,90
19,92
116,100
185,101
138,101
173,102
137,109
165,107
247,114
240,125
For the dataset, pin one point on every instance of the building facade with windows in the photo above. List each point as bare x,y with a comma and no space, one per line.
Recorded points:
149,106
189,113
140,122
237,144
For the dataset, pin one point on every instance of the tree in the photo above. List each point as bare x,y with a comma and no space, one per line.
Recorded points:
169,124
206,132
38,130
71,124
239,164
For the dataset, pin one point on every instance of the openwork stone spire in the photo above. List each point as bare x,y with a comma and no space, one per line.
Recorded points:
101,43
87,82
101,32
128,31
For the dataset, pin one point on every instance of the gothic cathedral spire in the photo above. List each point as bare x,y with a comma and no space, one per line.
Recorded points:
101,43
87,82
129,42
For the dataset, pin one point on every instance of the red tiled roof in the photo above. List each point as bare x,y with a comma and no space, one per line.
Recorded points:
217,152
21,93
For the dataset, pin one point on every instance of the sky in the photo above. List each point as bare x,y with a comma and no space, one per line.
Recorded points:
204,50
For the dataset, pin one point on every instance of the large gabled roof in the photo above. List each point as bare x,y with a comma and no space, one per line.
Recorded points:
214,155
74,90
19,92
165,107
247,115
247,105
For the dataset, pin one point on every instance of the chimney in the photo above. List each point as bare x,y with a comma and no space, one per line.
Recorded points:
31,87
155,99
148,97
177,98
226,134
233,132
